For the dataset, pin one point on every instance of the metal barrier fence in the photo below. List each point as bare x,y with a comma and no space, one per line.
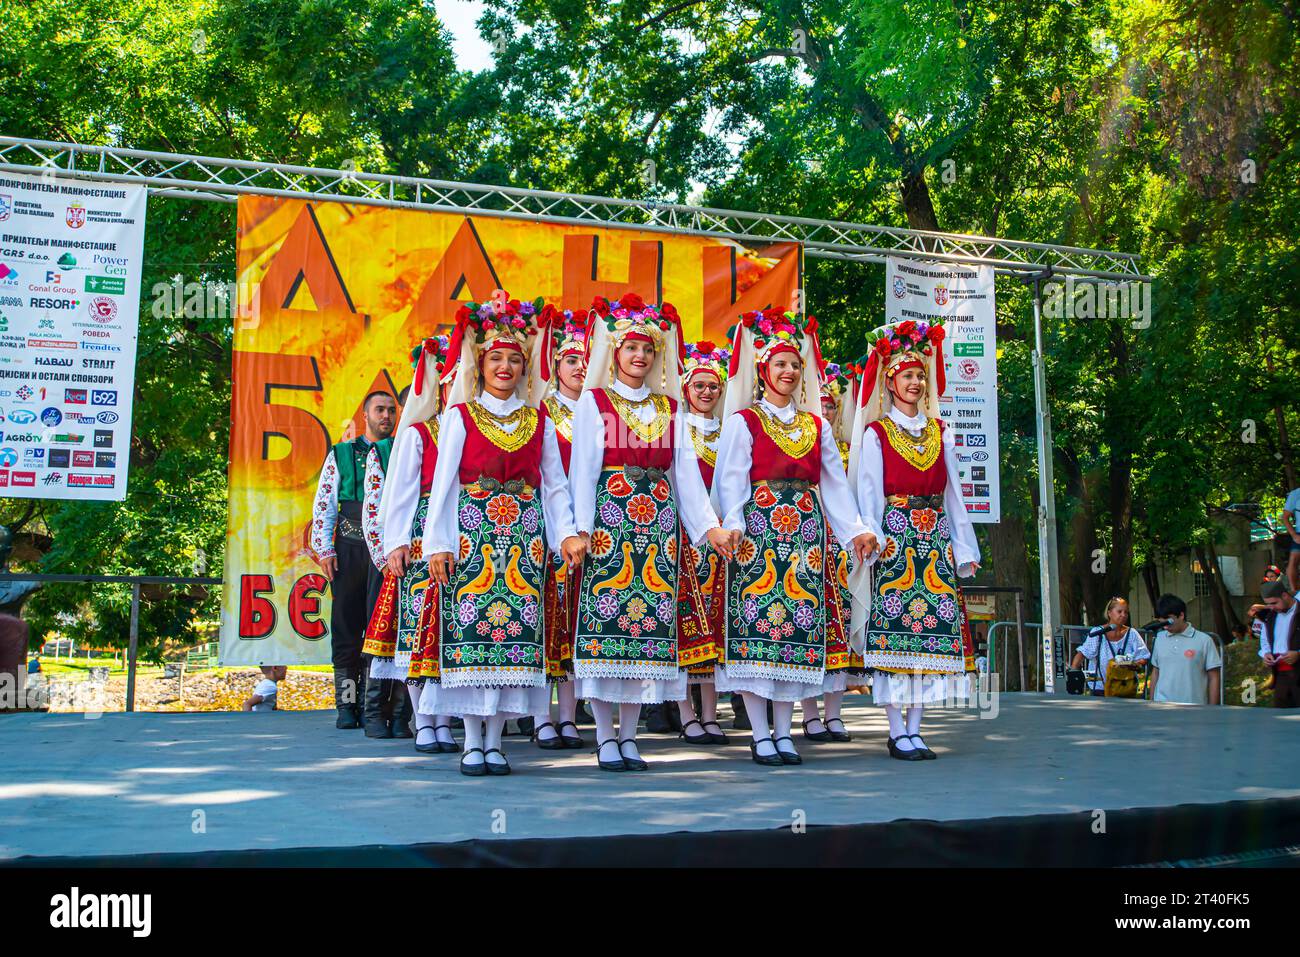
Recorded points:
135,581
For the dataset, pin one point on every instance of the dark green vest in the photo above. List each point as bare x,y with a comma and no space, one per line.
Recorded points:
350,457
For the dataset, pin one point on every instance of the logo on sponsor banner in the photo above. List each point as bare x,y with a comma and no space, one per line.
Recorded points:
67,438
107,418
76,216
98,363
21,437
60,458
51,344
67,260
113,285
53,478
100,347
979,473
51,361
980,456
6,206
24,393
4,478
86,481
103,438
78,418
8,457
982,507
967,488
40,302
83,460
22,416
105,460
968,348
4,322
962,458
102,309
958,439
22,479
74,396
8,275
51,416
981,491
976,440
968,369
941,295
103,397
34,458
900,287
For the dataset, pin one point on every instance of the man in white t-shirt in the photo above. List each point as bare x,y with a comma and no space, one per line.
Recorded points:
1186,664
264,693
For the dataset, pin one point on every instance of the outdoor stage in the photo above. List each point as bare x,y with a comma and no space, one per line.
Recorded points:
1024,787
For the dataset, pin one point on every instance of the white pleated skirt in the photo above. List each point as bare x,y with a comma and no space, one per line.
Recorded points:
484,702
902,690
387,669
632,690
769,688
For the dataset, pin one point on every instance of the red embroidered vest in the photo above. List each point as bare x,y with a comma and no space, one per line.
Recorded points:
566,445
625,447
902,478
428,456
482,456
769,462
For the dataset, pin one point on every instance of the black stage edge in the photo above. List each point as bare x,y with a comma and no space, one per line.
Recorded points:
1132,836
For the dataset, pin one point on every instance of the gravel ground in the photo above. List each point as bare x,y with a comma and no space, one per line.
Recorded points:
203,691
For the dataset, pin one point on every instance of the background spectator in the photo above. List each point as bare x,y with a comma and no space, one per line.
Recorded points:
1186,663
1108,642
263,696
1279,643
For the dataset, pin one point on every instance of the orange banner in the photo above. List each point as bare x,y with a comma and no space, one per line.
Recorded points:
332,297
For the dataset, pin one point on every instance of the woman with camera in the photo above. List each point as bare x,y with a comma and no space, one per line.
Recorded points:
1115,642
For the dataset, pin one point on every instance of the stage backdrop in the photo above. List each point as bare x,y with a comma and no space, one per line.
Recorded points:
332,298
962,296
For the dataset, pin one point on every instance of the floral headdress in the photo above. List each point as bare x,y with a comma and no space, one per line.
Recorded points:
756,339
561,332
614,322
497,323
423,401
705,356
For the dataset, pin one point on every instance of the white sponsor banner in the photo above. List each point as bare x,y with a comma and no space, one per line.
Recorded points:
71,252
962,297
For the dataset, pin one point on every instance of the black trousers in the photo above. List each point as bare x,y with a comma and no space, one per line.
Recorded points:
356,589
1286,689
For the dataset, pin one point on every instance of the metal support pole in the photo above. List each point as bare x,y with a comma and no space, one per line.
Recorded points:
1020,638
134,646
1048,561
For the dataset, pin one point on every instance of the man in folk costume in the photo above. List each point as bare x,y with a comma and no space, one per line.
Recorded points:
556,373
844,669
499,495
779,481
911,626
338,544
393,634
702,387
381,708
634,477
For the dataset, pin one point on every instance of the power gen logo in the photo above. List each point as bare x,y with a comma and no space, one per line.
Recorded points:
75,909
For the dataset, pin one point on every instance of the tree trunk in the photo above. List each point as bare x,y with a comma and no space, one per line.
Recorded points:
1151,578
1216,602
1010,564
1219,589
917,203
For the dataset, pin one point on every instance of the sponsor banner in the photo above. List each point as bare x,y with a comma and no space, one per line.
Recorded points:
333,297
71,253
962,296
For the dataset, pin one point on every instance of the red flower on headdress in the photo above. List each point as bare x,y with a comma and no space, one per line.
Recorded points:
936,333
906,328
883,347
512,307
601,306
462,313
669,311
773,315
705,347
631,301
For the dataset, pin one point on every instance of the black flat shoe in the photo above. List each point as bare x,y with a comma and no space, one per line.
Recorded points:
787,757
632,764
912,755
445,747
499,770
610,765
841,735
767,760
433,747
717,737
703,738
820,736
925,752
550,744
473,770
573,741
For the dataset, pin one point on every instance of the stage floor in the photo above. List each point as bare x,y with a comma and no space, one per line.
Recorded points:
132,784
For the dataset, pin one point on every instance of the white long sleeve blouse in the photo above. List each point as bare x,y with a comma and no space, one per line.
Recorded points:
871,492
374,492
588,457
736,456
401,495
441,531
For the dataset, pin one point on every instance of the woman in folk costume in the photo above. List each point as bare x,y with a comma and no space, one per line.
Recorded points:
634,477
702,387
392,636
499,495
912,631
779,481
844,669
559,360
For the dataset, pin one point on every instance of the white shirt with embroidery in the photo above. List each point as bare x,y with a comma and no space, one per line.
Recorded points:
374,488
325,509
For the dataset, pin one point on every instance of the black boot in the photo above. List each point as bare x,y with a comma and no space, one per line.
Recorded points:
740,717
345,701
657,718
375,723
402,711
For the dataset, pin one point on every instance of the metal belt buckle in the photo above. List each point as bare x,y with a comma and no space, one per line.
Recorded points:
636,473
494,485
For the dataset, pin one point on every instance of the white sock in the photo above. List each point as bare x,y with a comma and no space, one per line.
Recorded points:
756,708
443,723
603,712
897,730
566,694
686,708
914,719
629,716
782,719
810,714
423,722
495,725
709,703
473,739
